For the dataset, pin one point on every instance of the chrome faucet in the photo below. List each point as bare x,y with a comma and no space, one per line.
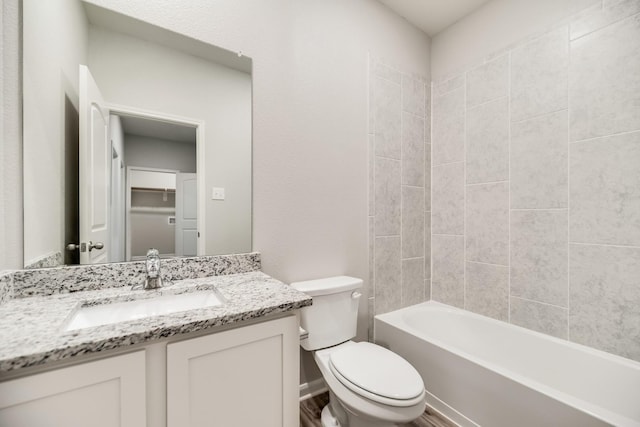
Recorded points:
153,279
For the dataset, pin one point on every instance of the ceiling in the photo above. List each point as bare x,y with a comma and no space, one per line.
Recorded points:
114,21
433,16
157,129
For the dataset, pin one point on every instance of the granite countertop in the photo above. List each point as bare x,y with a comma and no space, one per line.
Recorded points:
32,329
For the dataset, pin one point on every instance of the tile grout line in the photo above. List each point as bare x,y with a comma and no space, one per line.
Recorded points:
372,147
401,198
387,158
609,245
569,179
376,76
539,209
487,183
482,104
541,303
605,26
596,138
487,263
538,116
464,202
431,191
509,190
424,183
488,59
448,163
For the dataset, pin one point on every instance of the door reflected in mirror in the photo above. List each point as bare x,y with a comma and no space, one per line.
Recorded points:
107,98
153,188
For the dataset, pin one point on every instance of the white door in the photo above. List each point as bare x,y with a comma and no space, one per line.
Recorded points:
186,214
95,169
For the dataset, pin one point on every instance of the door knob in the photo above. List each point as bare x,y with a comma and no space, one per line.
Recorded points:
96,245
72,247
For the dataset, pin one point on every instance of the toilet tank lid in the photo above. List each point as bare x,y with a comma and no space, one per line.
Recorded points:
327,286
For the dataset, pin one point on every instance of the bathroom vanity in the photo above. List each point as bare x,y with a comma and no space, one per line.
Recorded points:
234,362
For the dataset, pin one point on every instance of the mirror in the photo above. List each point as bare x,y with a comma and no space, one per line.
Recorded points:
134,137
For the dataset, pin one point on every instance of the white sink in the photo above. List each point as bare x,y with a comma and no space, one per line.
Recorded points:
106,314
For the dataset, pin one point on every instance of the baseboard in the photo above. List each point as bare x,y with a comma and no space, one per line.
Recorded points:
312,388
447,412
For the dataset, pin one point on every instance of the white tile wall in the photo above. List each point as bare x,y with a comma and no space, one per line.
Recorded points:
539,152
605,81
539,255
536,182
604,298
447,270
605,190
399,188
539,73
448,126
487,223
448,199
487,290
487,142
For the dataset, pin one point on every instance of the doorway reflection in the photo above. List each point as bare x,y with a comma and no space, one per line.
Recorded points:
153,168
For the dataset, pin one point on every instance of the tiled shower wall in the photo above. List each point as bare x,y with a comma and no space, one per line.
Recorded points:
399,189
536,182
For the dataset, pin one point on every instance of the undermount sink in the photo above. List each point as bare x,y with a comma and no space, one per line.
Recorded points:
105,314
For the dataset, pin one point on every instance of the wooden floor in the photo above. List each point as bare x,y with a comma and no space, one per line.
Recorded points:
310,414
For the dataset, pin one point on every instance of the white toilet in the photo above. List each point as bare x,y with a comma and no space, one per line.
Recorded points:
368,384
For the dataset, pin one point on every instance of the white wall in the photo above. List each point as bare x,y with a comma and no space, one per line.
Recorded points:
51,73
137,73
118,196
495,26
149,152
309,117
11,134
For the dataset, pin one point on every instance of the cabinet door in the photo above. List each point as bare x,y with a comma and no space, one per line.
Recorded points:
242,377
105,393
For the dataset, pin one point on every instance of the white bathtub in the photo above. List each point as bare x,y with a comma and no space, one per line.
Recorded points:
479,371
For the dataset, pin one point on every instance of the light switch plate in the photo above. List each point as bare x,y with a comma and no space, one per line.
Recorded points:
217,193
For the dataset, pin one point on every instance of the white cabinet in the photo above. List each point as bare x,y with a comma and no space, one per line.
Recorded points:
246,376
242,377
105,393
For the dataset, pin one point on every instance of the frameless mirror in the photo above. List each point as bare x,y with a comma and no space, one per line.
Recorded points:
134,137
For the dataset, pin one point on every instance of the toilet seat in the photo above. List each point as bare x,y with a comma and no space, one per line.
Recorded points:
378,374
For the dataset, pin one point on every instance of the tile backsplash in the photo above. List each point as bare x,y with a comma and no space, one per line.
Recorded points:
536,182
48,281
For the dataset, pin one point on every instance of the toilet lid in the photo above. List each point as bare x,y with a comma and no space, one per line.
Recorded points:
371,370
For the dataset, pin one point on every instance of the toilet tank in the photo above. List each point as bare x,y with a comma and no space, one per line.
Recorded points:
333,317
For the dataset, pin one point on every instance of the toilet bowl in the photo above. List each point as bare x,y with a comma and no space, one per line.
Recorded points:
368,384
374,396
